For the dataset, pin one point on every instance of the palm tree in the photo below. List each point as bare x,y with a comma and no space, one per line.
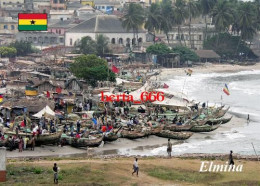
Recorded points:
180,15
133,18
206,7
168,17
222,15
247,21
153,19
102,44
194,11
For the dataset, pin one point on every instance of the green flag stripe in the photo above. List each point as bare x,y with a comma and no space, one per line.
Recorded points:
31,27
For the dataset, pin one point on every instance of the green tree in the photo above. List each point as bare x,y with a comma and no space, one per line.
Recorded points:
87,45
206,7
153,19
92,69
158,49
186,54
227,47
222,15
102,45
133,18
22,47
8,52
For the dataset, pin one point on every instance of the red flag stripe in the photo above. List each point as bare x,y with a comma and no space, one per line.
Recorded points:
32,16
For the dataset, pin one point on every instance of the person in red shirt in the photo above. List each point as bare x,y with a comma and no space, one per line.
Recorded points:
104,128
78,136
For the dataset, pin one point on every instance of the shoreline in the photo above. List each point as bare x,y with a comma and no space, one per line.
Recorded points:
143,145
207,68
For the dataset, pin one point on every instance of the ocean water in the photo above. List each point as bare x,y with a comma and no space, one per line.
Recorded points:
244,99
237,135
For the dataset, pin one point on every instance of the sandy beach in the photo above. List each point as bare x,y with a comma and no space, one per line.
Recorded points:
145,146
209,68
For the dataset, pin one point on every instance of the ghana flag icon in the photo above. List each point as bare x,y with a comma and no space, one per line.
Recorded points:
32,22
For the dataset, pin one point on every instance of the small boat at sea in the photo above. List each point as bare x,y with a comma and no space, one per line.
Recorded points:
204,128
174,135
216,121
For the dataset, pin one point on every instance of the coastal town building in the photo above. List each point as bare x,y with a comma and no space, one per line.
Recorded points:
40,39
107,6
58,4
8,25
60,28
61,14
108,25
11,3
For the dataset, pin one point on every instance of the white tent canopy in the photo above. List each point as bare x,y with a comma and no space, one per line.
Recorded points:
46,111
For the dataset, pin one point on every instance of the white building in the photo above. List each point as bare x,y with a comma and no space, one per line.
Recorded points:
108,25
62,14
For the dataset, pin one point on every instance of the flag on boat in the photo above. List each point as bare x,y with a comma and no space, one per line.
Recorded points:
188,72
48,95
165,85
226,90
30,91
114,69
58,90
32,22
1,98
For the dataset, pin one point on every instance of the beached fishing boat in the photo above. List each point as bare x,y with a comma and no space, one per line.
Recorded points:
221,113
174,135
157,129
43,139
178,128
51,138
132,134
110,137
3,143
91,141
218,120
204,128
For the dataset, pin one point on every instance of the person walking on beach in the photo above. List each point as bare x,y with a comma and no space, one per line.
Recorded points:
231,161
248,119
135,167
169,148
55,173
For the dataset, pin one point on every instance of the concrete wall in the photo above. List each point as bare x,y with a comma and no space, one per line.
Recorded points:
2,164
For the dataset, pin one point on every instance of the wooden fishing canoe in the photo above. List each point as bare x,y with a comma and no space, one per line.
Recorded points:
45,139
132,134
175,135
3,143
157,129
221,113
178,128
87,142
218,120
110,137
204,128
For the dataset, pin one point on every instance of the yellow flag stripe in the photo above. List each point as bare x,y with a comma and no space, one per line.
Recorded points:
36,21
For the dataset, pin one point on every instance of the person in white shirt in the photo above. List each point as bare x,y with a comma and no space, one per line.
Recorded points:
135,167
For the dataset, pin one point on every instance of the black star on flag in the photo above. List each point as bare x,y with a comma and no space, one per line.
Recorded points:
32,22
